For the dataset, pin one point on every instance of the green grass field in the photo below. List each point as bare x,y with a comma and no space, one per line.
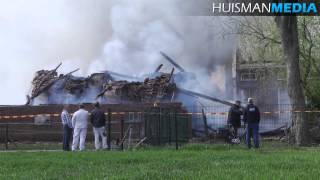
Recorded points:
273,161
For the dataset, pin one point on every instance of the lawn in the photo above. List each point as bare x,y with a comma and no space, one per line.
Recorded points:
190,162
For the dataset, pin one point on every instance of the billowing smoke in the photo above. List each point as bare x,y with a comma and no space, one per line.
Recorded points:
141,29
119,35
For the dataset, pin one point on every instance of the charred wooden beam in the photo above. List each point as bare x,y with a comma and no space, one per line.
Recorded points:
172,61
72,72
55,69
171,74
191,93
158,68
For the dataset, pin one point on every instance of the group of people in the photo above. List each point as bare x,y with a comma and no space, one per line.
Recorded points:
251,118
76,126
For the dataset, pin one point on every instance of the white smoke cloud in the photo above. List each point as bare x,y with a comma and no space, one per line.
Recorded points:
37,34
143,28
119,35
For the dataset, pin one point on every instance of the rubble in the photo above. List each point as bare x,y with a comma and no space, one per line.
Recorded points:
49,83
107,88
78,85
43,80
158,88
75,85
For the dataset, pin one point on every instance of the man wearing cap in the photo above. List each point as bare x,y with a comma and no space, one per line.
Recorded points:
98,121
234,117
251,117
80,124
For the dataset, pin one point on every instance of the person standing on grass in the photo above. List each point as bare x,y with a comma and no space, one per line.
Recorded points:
251,117
67,128
98,121
80,125
234,117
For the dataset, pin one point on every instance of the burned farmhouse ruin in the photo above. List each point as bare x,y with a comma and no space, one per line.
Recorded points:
107,87
49,87
140,103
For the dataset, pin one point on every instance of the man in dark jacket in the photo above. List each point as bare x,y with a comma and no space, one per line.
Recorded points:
251,117
234,117
98,121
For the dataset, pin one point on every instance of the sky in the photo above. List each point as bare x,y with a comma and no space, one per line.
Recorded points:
93,35
37,34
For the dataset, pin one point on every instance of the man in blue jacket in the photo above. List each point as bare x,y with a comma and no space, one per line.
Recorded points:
251,117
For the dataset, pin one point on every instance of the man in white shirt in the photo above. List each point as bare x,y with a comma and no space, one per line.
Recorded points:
80,125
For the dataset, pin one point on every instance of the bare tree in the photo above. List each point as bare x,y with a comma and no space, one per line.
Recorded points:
289,40
288,28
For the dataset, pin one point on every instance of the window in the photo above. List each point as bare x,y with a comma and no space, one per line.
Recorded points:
133,117
248,77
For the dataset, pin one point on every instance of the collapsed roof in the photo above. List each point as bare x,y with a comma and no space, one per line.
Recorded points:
48,87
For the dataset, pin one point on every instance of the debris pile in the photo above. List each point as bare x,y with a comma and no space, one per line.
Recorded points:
158,88
49,84
75,85
43,80
107,88
56,87
78,85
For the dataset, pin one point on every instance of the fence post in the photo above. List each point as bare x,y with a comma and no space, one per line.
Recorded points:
109,129
145,118
176,128
7,136
129,137
121,131
169,128
206,131
159,127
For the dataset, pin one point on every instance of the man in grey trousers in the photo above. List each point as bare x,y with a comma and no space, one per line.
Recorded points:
98,120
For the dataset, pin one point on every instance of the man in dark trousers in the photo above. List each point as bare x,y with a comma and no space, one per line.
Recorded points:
67,128
98,120
234,117
251,117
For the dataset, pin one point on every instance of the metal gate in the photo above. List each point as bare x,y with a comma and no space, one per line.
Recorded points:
166,126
